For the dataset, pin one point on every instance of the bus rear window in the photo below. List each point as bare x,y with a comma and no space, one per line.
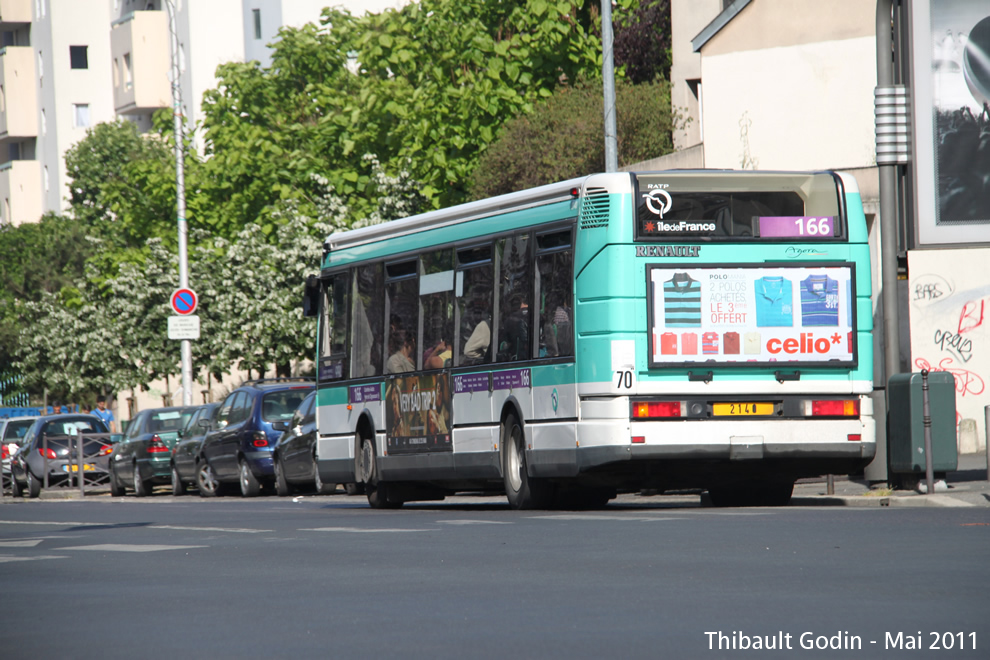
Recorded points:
736,206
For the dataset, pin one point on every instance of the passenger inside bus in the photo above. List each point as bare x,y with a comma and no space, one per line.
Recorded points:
401,346
514,334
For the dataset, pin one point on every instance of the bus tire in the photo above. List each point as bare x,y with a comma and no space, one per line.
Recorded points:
377,491
523,491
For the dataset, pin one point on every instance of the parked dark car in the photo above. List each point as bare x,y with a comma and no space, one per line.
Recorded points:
143,457
45,450
239,449
12,432
186,453
295,452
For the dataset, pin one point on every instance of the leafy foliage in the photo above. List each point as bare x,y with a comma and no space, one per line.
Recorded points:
642,43
563,138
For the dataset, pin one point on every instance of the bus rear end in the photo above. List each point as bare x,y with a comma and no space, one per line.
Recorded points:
724,327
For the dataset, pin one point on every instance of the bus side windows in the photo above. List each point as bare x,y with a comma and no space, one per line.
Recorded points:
515,293
475,293
367,322
554,284
403,314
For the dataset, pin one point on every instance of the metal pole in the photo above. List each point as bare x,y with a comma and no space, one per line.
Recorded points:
986,437
888,205
929,472
608,79
180,197
82,465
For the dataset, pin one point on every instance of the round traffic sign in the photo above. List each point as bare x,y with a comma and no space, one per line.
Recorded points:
184,301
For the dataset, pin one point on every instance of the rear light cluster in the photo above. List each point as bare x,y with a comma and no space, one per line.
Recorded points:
650,409
260,439
834,408
47,453
4,452
106,450
157,446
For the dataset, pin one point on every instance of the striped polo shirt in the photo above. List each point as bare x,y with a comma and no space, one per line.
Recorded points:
682,302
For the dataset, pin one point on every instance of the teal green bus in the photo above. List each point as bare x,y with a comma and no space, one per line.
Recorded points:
615,333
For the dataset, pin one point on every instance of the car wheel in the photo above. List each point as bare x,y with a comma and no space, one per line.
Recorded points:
321,488
250,486
354,489
116,490
206,480
282,488
142,488
523,491
15,486
178,485
34,485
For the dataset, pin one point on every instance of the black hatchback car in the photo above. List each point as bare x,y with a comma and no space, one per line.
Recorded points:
239,449
295,452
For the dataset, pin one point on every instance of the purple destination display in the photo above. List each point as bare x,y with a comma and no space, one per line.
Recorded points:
796,227
363,393
507,380
470,383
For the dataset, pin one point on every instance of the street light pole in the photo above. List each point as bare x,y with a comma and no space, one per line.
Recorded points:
608,78
180,195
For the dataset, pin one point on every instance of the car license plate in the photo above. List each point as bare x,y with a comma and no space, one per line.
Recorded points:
733,409
88,467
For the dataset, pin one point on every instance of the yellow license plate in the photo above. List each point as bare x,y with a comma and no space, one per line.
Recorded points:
75,468
732,409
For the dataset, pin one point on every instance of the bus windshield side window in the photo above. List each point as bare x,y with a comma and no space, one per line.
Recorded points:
368,322
402,307
436,297
334,339
514,298
475,292
554,282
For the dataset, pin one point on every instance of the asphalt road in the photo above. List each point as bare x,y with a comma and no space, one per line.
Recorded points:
469,578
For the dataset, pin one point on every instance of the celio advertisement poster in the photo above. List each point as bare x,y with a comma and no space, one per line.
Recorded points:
417,414
758,316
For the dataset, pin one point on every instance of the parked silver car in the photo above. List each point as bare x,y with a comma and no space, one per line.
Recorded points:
45,452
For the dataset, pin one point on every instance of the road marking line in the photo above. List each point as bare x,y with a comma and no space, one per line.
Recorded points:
473,522
580,516
28,543
232,530
359,530
4,559
66,524
125,547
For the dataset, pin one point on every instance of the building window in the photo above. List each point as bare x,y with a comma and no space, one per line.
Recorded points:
128,77
80,115
257,23
78,57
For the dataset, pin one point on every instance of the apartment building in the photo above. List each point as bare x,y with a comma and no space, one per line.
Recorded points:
66,65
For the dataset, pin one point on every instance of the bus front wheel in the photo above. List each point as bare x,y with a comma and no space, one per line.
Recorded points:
523,491
377,491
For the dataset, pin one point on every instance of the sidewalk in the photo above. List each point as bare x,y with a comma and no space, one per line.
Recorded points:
967,487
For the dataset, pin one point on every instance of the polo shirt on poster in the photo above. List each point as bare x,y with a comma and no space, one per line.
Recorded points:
682,302
709,343
689,343
730,343
668,343
774,302
819,301
752,344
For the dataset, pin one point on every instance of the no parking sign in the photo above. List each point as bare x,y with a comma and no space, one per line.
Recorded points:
184,301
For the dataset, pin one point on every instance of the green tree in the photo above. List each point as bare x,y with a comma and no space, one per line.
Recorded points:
564,138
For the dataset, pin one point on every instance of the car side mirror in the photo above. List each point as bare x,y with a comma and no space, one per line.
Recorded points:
203,423
280,426
311,297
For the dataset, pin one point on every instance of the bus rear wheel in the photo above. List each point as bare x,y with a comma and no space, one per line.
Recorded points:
523,491
377,491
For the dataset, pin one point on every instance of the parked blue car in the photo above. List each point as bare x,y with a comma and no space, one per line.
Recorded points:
239,449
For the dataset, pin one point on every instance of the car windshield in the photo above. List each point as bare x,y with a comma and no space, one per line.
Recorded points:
16,430
278,406
72,426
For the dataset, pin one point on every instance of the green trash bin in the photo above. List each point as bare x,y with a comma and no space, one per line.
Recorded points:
906,423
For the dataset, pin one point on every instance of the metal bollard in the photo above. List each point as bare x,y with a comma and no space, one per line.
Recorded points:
82,475
929,471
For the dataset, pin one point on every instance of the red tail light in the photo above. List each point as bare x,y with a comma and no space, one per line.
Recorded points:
644,409
835,408
260,439
157,446
106,450
47,453
4,452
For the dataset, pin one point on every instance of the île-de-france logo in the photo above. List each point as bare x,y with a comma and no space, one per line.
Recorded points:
554,399
658,201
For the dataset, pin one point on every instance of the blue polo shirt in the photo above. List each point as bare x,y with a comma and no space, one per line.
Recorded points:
774,302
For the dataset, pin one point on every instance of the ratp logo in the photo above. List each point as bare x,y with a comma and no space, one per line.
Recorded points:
658,197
